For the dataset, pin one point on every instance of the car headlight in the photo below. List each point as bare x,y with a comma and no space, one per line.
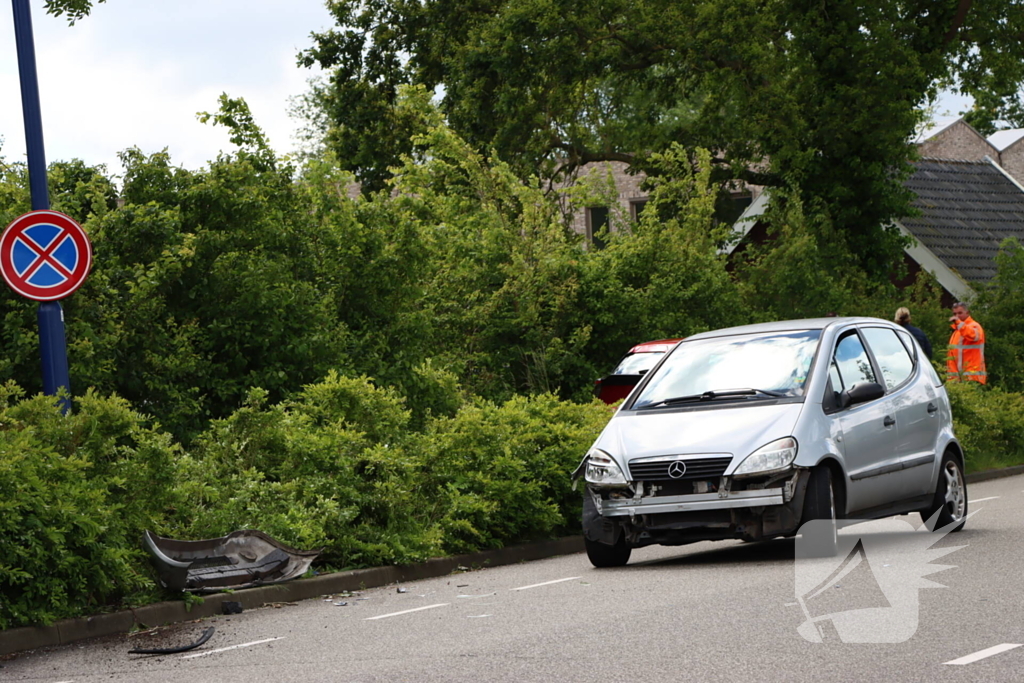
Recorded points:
777,455
602,470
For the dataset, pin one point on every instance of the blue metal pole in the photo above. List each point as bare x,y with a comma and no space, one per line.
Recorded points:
53,348
30,105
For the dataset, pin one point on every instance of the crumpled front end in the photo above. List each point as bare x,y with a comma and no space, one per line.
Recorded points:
657,508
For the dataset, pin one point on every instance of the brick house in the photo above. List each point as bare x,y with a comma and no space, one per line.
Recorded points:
1011,151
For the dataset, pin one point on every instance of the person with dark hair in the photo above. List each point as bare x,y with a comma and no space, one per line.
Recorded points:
965,360
903,319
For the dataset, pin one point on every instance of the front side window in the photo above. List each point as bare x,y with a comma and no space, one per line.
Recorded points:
852,363
775,364
893,360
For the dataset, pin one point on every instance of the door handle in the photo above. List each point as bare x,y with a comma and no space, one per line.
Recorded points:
932,407
889,421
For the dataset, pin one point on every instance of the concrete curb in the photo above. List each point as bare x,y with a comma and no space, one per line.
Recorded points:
975,477
71,630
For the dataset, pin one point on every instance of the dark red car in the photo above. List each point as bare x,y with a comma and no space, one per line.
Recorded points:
630,369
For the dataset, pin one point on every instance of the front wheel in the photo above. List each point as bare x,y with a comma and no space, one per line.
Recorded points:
604,555
950,500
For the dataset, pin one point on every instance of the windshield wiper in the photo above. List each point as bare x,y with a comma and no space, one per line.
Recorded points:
713,396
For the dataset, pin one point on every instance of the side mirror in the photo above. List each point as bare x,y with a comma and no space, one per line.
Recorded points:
644,371
861,393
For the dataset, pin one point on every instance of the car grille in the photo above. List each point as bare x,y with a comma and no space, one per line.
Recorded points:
698,468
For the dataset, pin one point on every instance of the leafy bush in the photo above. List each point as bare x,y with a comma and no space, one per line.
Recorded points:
999,310
338,468
75,494
499,473
989,422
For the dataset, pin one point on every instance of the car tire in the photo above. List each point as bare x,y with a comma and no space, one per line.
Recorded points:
950,496
820,540
603,555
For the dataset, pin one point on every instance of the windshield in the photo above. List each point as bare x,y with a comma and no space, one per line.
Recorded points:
772,362
634,364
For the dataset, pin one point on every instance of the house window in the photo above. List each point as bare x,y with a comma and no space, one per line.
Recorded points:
597,225
636,207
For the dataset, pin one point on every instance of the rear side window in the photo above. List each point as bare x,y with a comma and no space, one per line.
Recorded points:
908,342
852,363
893,360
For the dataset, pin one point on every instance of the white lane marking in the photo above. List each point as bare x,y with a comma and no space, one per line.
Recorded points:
474,597
981,500
232,647
407,611
546,583
982,654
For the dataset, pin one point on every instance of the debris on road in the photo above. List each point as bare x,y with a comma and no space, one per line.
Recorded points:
402,590
174,650
241,559
231,607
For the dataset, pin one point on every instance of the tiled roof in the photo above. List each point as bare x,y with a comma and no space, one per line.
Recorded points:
967,209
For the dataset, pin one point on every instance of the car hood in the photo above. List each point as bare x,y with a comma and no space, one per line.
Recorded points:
735,431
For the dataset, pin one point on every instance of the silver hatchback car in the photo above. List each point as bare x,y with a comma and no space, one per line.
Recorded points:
749,432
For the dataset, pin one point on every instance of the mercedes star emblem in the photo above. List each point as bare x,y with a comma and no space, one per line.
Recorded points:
677,469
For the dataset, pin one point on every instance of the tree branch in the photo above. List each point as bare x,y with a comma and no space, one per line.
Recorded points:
958,21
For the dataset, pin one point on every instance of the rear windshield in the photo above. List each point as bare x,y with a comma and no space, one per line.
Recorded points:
777,362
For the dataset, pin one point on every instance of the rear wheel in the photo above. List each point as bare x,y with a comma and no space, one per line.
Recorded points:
821,538
950,500
604,555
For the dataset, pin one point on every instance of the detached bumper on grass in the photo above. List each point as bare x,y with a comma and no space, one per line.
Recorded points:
241,559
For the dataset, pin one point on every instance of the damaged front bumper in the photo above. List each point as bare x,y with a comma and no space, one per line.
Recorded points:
698,501
758,509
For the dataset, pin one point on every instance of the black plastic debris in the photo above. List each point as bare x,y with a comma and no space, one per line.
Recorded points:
231,607
241,559
174,650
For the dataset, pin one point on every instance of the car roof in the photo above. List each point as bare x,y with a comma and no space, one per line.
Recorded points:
787,325
658,346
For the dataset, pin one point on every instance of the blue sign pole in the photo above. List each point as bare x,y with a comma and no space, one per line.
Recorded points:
52,341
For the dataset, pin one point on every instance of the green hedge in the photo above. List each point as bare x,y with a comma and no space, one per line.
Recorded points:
342,466
75,494
989,422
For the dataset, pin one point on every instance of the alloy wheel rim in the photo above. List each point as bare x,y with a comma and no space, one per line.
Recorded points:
955,499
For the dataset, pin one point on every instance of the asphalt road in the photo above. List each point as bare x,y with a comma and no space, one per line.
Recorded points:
710,611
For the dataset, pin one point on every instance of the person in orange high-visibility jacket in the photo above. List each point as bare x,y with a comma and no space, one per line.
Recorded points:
965,360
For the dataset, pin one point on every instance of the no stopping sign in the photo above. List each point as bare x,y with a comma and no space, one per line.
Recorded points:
45,255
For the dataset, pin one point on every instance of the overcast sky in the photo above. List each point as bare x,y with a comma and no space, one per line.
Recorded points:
135,73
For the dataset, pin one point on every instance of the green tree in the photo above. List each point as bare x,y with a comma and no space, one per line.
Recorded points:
819,96
72,9
999,311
